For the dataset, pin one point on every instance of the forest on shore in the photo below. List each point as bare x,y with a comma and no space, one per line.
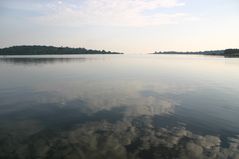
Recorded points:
226,53
49,50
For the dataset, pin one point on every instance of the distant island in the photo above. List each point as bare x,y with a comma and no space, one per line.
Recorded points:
49,50
226,53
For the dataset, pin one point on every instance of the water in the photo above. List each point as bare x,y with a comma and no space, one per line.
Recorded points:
119,106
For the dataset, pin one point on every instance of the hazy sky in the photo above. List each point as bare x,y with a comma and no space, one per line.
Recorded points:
130,26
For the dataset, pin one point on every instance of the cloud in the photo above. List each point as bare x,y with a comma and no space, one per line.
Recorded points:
113,13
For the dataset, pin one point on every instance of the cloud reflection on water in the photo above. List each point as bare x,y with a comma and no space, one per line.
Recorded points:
133,95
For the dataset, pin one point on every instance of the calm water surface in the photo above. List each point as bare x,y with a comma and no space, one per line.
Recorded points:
119,106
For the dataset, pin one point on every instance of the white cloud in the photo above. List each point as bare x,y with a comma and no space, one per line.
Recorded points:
59,2
113,13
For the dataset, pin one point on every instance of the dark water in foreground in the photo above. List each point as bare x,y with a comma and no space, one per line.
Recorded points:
119,106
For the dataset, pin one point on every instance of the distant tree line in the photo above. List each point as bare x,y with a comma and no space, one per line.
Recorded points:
212,52
226,53
49,50
231,53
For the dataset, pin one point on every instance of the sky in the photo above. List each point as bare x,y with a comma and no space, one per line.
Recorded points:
129,26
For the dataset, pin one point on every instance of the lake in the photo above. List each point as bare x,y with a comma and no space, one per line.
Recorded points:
119,106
